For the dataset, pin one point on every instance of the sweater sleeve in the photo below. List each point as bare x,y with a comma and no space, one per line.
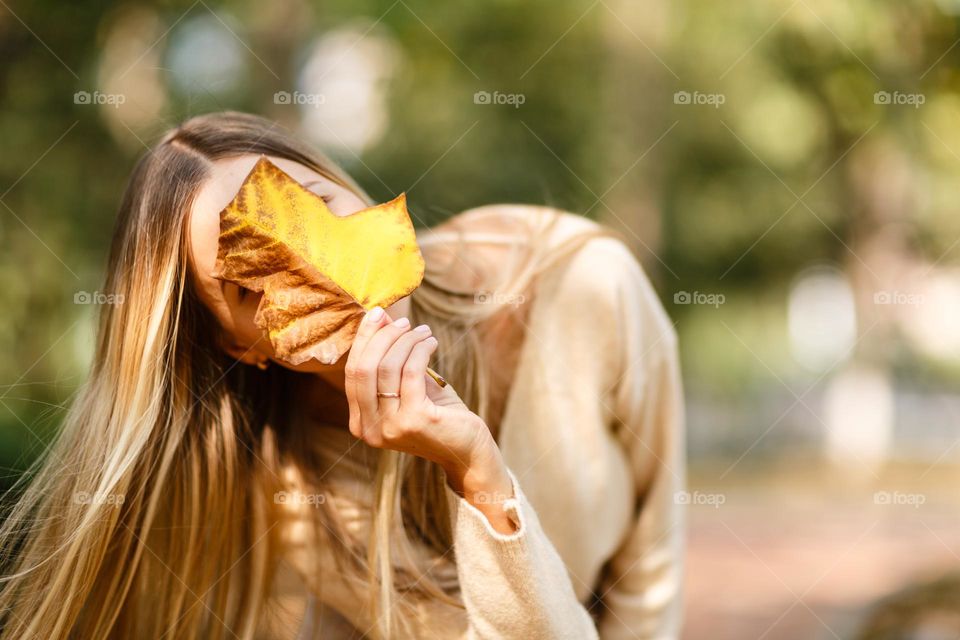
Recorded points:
640,592
513,585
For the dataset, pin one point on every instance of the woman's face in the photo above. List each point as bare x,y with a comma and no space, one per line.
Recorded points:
233,306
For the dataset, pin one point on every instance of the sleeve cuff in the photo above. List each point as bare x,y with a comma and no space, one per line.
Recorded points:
464,514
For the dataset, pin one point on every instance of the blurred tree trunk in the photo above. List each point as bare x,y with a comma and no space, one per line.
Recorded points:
634,109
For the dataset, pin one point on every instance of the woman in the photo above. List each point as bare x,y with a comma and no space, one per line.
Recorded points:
202,489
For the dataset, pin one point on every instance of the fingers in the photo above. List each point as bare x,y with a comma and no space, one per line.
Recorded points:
414,375
354,375
389,357
392,364
368,363
371,359
372,320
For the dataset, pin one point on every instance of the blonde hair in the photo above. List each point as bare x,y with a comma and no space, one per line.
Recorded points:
152,514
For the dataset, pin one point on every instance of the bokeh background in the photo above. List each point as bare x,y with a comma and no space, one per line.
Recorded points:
786,171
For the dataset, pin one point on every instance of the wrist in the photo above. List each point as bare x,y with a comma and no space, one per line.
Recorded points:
484,482
481,468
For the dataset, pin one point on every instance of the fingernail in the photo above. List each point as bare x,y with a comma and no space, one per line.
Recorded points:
375,314
402,322
422,327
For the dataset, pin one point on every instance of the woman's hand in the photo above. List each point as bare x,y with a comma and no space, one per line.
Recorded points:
425,420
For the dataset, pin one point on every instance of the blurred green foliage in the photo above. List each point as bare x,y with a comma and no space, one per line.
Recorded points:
799,165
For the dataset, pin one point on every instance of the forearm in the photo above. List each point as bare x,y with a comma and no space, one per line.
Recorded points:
483,480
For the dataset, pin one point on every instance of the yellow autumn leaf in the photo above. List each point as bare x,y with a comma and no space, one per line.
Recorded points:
319,272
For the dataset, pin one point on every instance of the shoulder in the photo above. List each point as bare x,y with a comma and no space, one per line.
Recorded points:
603,291
632,296
469,249
586,256
600,247
491,228
584,268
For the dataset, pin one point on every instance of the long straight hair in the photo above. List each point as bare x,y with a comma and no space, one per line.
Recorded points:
153,513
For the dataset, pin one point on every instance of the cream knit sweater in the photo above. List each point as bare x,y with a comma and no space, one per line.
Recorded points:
592,434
